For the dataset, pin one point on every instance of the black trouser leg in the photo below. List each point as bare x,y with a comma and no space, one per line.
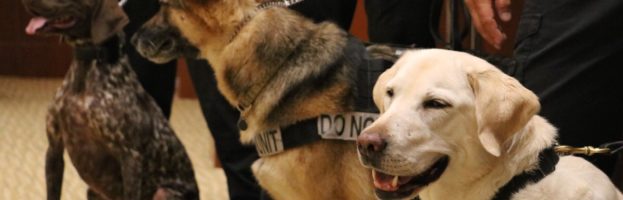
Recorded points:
339,11
573,63
157,79
402,21
236,159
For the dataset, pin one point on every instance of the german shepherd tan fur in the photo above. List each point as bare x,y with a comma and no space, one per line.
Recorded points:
290,60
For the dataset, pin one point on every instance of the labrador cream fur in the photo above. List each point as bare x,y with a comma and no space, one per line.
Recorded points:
490,131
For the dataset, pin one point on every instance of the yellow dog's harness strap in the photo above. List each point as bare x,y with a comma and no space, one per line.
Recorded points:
547,164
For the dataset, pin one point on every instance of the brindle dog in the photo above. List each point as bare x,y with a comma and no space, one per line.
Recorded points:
116,136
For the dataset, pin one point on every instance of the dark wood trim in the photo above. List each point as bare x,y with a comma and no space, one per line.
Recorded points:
24,55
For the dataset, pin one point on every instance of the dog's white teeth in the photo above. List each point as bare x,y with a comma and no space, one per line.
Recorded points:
373,175
395,181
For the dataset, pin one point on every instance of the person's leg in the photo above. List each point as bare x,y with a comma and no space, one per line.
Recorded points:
158,80
339,11
221,117
570,55
402,21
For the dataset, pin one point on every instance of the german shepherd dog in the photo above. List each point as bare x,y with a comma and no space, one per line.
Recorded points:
278,68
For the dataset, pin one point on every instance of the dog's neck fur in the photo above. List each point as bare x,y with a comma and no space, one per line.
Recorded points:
226,19
520,154
217,33
257,48
81,70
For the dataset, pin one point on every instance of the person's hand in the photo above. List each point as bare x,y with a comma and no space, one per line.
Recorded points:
483,18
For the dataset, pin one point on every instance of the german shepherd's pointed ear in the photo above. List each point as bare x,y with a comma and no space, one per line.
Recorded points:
107,20
503,107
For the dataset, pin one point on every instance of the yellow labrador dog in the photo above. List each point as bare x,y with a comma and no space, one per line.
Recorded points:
455,127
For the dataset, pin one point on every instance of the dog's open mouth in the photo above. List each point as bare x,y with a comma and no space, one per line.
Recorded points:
41,24
398,187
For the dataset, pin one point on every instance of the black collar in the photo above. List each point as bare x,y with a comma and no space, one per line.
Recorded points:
108,51
547,164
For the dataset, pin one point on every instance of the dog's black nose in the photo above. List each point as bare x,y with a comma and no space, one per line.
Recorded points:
371,143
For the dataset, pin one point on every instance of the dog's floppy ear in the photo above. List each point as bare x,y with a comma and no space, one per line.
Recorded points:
107,20
503,107
378,93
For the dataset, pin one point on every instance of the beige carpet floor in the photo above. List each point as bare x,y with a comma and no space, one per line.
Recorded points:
23,104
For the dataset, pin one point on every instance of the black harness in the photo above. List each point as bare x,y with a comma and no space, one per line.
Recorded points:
548,158
324,127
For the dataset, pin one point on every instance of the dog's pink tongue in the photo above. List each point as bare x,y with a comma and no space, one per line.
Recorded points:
35,24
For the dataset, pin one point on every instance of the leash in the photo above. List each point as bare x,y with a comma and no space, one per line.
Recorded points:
607,148
548,159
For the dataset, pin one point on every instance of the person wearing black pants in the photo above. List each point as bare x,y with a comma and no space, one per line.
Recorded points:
338,11
573,63
569,54
404,22
221,117
157,79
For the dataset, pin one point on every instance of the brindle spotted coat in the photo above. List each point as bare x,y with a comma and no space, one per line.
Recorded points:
116,136
114,133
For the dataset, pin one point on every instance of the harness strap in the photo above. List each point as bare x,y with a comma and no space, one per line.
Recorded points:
547,164
344,126
274,142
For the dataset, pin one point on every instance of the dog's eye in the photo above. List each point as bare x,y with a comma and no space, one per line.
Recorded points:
435,104
390,92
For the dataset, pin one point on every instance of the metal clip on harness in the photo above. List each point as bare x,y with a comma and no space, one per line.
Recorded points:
608,148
